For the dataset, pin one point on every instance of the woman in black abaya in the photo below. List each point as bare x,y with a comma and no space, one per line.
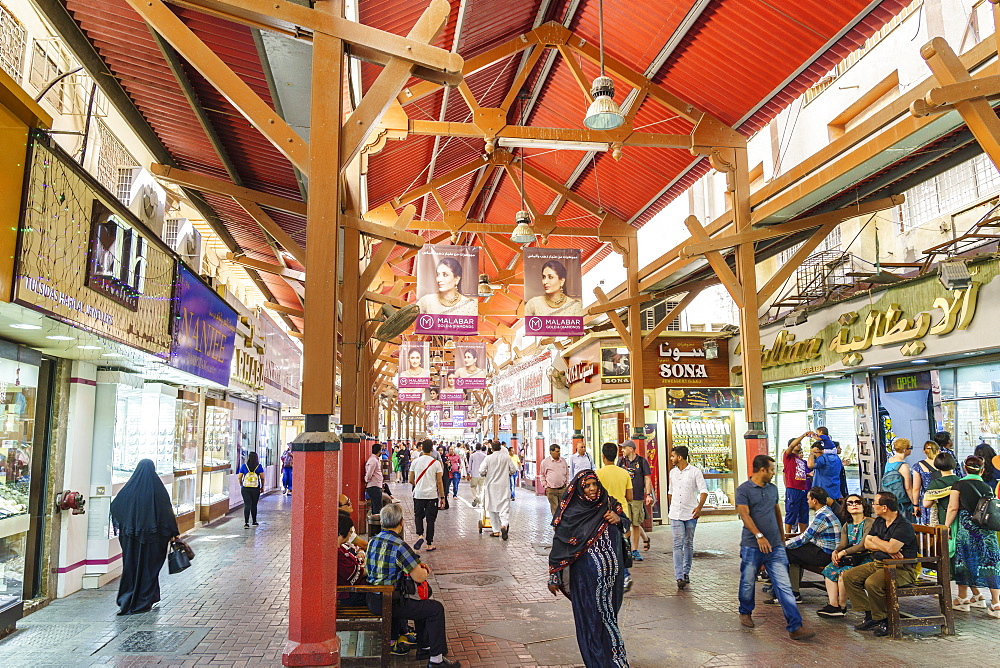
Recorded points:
144,520
586,565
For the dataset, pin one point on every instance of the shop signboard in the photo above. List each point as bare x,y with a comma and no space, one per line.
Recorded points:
448,290
84,259
204,332
414,367
282,367
682,362
470,365
526,385
553,286
917,319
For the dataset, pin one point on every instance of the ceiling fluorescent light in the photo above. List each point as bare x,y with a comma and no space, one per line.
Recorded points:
552,144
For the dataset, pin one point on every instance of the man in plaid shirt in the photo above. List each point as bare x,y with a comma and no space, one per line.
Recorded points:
813,547
388,560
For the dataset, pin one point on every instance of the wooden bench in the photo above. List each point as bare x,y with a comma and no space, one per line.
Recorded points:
932,554
360,618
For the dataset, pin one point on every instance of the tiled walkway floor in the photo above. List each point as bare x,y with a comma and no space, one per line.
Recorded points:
229,609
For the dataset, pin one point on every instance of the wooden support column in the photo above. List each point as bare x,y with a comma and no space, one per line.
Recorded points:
351,380
755,439
637,397
496,425
312,605
577,427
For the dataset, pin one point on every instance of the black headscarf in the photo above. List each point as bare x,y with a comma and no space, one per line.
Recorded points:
579,521
142,508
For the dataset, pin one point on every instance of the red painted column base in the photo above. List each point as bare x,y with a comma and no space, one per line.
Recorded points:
540,454
312,654
312,595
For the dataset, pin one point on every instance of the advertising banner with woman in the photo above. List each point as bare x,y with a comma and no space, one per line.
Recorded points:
470,365
553,285
450,392
447,289
414,366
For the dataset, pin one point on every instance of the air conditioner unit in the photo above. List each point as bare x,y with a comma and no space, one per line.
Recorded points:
148,201
180,234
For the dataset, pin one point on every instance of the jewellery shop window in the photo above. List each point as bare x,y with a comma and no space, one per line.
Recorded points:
186,442
18,391
218,445
709,440
971,407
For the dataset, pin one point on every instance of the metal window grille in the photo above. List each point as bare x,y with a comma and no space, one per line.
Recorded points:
651,316
43,70
987,176
13,39
115,165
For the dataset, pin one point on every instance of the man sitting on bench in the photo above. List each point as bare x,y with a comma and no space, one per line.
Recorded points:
813,547
389,559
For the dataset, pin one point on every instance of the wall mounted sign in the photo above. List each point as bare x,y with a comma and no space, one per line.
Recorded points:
703,398
681,361
448,289
525,385
581,371
552,290
53,256
899,322
204,330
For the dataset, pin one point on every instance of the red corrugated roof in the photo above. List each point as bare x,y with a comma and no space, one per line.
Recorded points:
742,61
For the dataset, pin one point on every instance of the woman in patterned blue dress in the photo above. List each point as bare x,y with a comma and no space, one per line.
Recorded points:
977,552
586,565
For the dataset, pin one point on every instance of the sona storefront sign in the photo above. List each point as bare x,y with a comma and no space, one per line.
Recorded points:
204,332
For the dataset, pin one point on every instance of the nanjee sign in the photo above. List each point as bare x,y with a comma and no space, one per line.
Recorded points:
204,330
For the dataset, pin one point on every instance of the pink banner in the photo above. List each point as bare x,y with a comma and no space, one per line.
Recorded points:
410,395
448,289
553,286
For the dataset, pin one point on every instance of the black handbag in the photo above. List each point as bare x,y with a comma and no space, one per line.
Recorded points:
852,560
987,513
178,560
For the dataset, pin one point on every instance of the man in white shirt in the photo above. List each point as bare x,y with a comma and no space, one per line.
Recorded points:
476,479
428,493
580,460
497,469
685,499
373,480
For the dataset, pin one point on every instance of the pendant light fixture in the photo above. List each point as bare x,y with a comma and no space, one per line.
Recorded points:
603,113
523,233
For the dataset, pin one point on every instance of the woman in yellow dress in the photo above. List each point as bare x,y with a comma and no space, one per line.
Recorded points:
553,301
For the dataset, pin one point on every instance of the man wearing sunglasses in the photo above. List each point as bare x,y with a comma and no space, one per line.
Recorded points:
891,537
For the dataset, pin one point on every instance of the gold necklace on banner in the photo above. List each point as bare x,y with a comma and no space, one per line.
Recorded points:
555,303
454,301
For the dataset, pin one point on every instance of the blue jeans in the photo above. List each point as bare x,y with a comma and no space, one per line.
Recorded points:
286,477
683,546
456,477
776,563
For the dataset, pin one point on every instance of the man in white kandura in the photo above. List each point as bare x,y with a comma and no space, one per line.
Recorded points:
497,469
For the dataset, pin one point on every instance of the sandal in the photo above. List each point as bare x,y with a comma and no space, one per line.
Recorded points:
495,535
993,610
961,604
979,601
645,544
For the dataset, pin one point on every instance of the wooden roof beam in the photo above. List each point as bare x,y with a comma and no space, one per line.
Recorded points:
215,186
300,22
